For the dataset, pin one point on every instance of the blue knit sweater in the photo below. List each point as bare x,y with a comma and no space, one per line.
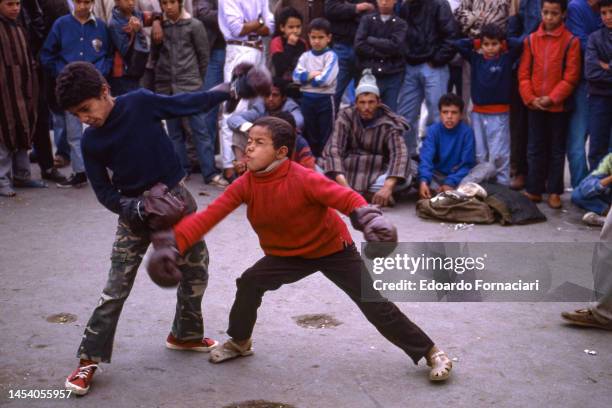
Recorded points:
134,146
447,151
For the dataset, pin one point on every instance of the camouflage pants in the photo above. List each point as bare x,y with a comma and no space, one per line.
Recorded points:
128,250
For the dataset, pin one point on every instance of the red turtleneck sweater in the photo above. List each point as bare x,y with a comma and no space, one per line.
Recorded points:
291,209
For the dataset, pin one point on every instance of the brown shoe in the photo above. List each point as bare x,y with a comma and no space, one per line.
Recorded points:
584,317
518,182
536,198
554,201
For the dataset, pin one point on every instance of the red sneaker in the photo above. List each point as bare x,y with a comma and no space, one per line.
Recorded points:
80,379
203,346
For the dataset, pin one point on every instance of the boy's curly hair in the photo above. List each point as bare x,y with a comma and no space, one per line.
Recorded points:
78,82
282,132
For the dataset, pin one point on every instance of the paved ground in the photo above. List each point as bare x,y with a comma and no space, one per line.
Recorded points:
55,256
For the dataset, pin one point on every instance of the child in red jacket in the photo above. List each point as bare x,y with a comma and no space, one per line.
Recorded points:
292,210
548,74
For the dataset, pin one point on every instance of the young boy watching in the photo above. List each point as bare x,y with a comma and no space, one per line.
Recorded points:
18,101
79,36
598,59
317,73
132,49
548,73
126,136
594,193
448,153
491,58
287,47
292,210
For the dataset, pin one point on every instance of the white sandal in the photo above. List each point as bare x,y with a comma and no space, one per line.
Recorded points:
441,366
229,351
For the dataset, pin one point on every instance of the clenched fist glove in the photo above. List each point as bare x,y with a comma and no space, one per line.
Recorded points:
162,267
162,208
375,228
133,213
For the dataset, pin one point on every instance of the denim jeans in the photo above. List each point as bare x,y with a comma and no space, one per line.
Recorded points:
546,151
13,164
577,134
591,195
213,77
492,139
204,145
60,138
319,114
421,83
389,87
346,69
600,127
74,134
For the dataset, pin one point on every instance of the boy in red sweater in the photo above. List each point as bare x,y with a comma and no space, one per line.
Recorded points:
292,210
548,74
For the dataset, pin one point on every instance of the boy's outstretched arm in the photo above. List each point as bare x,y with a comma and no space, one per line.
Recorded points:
183,104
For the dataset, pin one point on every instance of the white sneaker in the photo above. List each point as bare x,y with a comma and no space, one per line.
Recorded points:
593,219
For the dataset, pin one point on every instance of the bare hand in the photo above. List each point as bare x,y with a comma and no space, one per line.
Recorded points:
424,191
313,74
604,65
135,24
546,102
292,39
157,33
446,187
383,197
361,7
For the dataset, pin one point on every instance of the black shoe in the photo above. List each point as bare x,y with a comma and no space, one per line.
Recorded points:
75,180
32,157
54,175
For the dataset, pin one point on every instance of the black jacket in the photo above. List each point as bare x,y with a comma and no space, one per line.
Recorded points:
431,26
599,48
379,44
344,19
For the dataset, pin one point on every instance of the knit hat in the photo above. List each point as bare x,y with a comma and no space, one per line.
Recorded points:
367,84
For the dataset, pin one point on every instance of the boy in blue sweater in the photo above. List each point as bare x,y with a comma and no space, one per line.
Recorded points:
448,153
79,36
126,136
491,58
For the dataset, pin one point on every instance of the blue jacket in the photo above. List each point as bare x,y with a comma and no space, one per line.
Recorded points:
581,20
134,146
599,48
121,39
447,151
258,110
491,82
71,41
527,20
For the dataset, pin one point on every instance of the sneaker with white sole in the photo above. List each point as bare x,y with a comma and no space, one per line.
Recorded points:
80,380
204,346
218,181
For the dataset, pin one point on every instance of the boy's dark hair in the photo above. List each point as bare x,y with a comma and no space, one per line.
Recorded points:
286,116
78,82
286,13
282,132
320,24
281,84
492,32
605,3
561,3
180,2
451,99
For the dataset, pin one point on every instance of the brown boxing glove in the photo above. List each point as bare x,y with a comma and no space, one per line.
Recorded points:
162,266
163,209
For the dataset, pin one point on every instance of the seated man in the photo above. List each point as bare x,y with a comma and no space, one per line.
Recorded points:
594,193
366,151
448,156
241,122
